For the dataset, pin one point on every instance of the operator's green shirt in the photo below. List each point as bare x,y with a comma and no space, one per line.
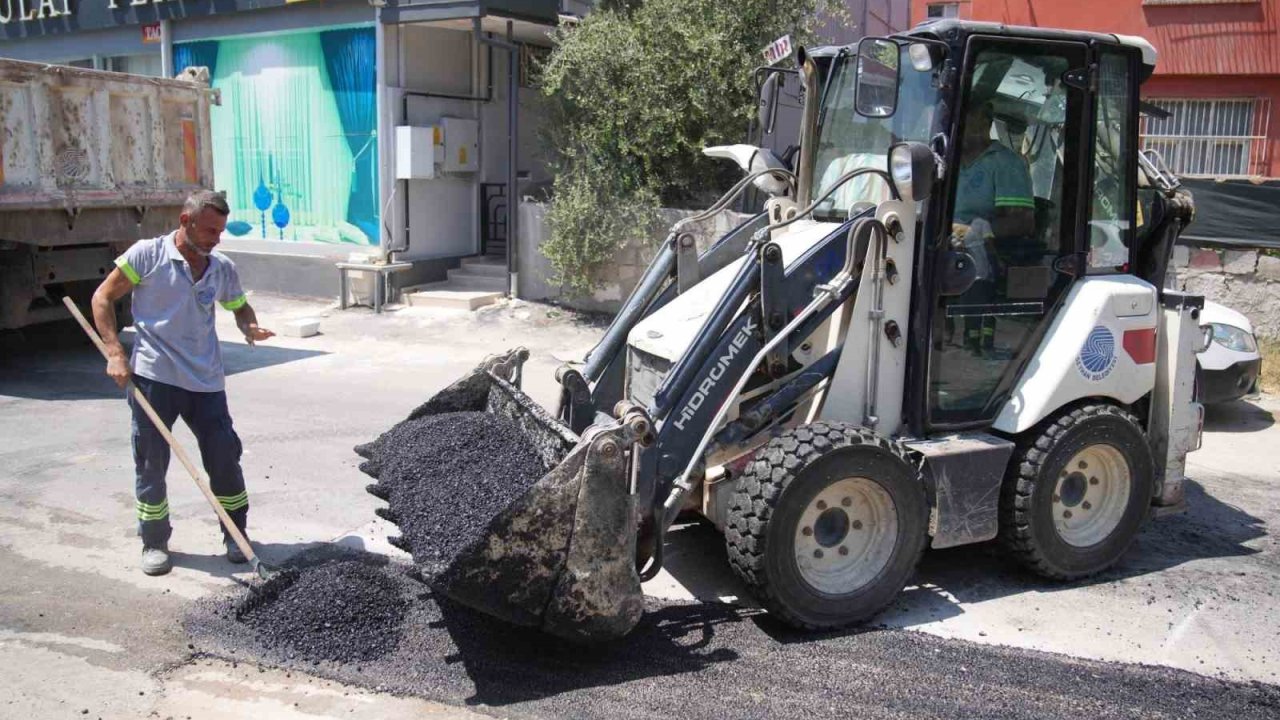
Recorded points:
998,178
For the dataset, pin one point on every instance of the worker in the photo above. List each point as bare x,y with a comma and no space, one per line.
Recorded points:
994,202
176,280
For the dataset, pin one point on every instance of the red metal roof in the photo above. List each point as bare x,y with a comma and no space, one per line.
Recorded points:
1193,37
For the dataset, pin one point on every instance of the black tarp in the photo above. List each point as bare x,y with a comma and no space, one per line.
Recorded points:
1234,213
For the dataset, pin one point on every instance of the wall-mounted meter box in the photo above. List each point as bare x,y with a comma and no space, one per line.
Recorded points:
461,144
418,152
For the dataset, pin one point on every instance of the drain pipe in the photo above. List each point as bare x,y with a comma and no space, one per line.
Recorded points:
513,149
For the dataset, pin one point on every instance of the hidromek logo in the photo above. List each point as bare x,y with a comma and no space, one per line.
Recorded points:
716,373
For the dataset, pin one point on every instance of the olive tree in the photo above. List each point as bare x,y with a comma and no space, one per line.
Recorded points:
633,93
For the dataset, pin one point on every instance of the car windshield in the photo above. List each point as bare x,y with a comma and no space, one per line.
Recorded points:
848,141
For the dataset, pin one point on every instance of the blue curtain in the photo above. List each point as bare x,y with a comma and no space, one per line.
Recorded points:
190,54
350,58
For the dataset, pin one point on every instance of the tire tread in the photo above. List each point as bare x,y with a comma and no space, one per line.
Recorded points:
765,481
1016,506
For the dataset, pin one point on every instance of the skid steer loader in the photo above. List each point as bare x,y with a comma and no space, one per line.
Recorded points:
948,325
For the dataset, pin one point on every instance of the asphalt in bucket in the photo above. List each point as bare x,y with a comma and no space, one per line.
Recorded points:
446,476
720,661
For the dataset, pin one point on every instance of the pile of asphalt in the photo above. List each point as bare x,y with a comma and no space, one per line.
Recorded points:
446,476
344,610
718,661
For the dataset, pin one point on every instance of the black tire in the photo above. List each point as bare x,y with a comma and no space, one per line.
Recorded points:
772,495
1027,504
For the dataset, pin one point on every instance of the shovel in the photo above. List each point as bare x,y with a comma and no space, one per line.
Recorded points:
264,571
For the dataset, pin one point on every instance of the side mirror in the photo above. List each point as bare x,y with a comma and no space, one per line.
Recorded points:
753,159
877,78
769,103
913,167
956,273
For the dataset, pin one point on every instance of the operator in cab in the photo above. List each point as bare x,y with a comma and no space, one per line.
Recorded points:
994,203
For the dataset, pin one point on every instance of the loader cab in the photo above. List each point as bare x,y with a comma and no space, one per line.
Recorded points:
1036,131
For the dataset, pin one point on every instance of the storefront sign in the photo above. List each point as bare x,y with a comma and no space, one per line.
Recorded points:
151,33
35,18
27,10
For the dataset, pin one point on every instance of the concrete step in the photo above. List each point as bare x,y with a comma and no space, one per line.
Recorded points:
447,295
465,280
484,265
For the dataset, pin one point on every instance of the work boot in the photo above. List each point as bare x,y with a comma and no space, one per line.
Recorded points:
155,561
234,556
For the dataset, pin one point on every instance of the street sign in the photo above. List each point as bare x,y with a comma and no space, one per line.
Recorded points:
778,50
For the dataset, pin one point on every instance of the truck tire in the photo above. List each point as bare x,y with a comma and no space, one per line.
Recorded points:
1077,491
827,524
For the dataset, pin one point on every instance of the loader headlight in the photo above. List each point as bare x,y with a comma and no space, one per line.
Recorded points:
921,57
912,166
1233,338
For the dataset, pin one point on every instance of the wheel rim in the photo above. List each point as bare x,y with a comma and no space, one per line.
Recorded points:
1090,496
846,535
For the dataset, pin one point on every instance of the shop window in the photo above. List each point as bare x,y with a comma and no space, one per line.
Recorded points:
149,64
294,140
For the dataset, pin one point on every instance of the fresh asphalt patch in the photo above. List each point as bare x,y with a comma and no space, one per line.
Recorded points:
684,661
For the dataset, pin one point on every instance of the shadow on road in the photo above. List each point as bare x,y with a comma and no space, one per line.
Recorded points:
510,664
1239,416
970,574
56,361
948,579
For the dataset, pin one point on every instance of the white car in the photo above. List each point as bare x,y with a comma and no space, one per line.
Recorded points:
1229,368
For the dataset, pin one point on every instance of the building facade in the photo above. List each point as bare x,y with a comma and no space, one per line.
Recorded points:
1218,73
311,94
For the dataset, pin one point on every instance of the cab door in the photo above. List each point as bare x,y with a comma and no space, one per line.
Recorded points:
1011,202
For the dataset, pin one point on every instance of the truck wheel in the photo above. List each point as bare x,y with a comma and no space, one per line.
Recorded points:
1077,492
827,524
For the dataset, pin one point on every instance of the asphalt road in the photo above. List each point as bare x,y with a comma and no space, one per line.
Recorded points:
713,660
82,629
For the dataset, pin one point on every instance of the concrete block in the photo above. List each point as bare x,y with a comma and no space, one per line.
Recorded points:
438,295
1205,260
1268,268
301,328
1240,262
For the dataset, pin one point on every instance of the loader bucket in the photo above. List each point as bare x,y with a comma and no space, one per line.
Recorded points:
560,557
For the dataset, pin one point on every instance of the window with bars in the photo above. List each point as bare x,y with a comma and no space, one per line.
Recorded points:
1220,137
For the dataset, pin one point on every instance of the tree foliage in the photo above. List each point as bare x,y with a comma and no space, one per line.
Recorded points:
633,93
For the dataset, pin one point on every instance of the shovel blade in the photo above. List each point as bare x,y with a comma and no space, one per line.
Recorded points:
560,557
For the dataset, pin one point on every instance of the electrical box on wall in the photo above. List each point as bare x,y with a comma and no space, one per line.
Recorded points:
417,152
461,144
422,153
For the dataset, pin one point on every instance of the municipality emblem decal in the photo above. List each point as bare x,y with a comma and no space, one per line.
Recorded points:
1098,356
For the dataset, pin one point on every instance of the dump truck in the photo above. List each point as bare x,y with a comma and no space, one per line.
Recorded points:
948,325
90,161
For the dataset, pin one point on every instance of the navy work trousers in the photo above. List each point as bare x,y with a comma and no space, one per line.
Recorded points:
207,415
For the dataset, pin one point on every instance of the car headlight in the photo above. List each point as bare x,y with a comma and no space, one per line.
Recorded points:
1233,338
